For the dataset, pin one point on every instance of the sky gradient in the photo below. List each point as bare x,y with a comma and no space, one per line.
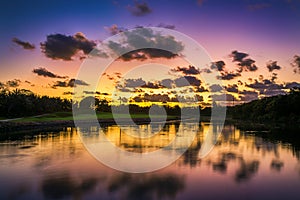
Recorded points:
267,31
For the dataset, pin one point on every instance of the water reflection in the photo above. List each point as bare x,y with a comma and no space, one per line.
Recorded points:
147,186
64,185
55,165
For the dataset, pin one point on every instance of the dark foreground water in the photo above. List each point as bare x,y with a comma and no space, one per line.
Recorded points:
241,166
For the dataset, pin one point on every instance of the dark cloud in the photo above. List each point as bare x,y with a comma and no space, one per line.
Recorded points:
156,45
44,72
292,85
273,92
139,9
238,56
215,88
187,81
152,85
200,89
64,47
152,98
232,88
224,74
228,75
190,70
247,96
296,64
68,93
223,97
13,83
258,6
219,65
272,65
88,92
132,83
168,83
245,64
69,83
25,45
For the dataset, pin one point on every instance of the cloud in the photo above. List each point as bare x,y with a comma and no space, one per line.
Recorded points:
13,83
168,26
228,75
168,83
152,85
187,81
292,85
69,83
258,6
25,45
272,65
296,64
190,70
44,72
68,93
219,65
215,88
139,9
232,88
132,83
224,74
201,89
64,47
247,96
156,45
223,97
114,29
245,64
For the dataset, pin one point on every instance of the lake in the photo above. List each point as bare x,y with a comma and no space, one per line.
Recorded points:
242,165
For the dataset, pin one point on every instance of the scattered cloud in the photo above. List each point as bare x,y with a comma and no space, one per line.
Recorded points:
132,83
232,88
155,45
114,29
187,81
44,72
190,70
247,96
219,65
215,88
24,45
223,97
168,26
272,65
69,83
245,64
292,85
64,47
139,9
68,93
228,75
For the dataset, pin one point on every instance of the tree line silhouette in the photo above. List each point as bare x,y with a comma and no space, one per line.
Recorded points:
21,102
281,108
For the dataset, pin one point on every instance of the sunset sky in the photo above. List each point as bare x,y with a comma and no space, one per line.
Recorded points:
254,45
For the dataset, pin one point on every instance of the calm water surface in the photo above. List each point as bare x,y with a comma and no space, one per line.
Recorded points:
241,166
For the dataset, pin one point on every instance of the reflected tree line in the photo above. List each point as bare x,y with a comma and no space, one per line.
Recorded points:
60,183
